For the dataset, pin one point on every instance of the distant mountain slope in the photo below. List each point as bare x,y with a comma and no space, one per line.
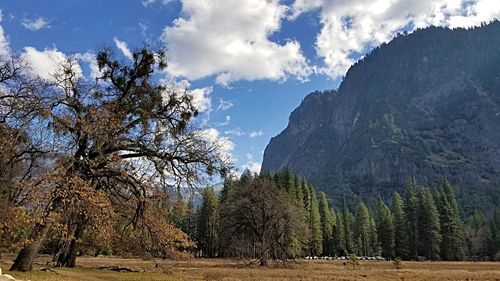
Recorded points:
424,106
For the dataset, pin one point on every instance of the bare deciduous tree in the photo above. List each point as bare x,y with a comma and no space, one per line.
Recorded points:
260,221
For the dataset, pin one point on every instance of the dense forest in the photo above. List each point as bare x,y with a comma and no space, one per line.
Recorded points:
281,216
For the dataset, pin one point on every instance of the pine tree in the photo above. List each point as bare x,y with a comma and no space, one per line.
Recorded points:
314,223
348,221
334,223
339,236
191,221
299,196
412,206
385,227
246,177
208,221
374,248
228,186
287,181
429,230
400,227
451,225
306,197
179,213
327,222
362,230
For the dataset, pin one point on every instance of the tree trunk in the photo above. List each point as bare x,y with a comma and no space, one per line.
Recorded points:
26,257
66,256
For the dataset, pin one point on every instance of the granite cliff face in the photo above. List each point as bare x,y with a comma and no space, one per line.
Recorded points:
424,106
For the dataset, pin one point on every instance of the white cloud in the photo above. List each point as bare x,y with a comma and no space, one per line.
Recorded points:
92,62
230,39
224,144
4,43
123,47
224,105
238,132
235,132
226,122
474,15
350,28
46,63
201,98
146,3
255,134
35,24
253,166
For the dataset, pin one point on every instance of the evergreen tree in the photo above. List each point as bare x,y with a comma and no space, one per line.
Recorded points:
191,221
179,213
306,197
228,186
362,230
451,225
208,224
400,227
412,209
339,236
348,221
385,229
246,177
374,248
298,193
314,223
429,230
327,221
287,182
228,189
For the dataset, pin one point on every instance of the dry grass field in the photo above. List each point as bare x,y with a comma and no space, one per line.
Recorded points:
230,270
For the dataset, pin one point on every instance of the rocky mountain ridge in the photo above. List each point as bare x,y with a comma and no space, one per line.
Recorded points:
423,106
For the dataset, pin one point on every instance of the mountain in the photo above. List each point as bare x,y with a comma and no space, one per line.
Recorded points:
423,107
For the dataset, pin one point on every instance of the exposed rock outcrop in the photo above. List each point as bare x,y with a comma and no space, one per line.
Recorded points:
424,106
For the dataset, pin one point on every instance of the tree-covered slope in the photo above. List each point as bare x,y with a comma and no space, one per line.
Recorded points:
424,106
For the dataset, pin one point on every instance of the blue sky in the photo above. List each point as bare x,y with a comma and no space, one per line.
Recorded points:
249,63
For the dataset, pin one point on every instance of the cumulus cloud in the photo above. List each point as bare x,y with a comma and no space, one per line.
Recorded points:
230,39
225,145
252,165
350,28
92,63
123,47
46,63
201,98
35,24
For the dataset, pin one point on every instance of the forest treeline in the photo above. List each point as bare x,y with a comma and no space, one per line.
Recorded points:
282,216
